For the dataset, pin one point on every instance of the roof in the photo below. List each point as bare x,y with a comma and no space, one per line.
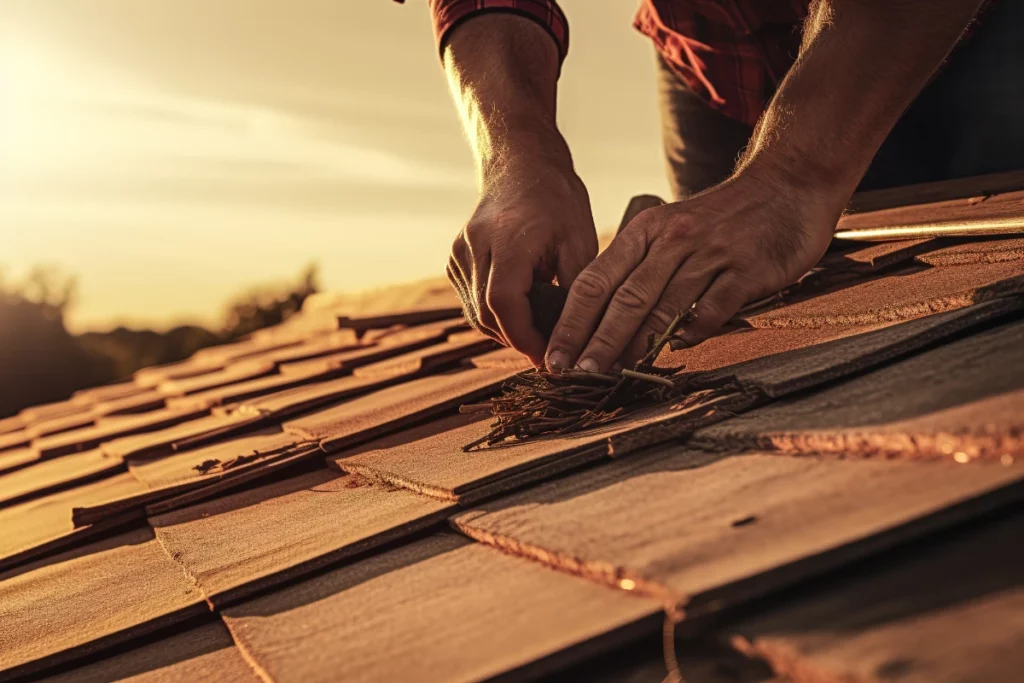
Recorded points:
836,499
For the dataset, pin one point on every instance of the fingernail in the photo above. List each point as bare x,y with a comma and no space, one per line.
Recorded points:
558,360
588,364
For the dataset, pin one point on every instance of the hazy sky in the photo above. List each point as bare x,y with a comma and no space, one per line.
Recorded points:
174,152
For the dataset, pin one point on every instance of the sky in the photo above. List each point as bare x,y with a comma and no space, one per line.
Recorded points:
172,153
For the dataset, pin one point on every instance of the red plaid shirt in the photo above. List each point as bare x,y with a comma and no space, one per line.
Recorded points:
733,53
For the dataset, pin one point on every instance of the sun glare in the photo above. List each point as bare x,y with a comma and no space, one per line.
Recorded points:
24,77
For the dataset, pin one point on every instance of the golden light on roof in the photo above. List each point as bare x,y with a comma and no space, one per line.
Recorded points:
627,584
961,457
1006,459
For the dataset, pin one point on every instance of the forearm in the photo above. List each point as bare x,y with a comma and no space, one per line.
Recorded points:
861,64
503,72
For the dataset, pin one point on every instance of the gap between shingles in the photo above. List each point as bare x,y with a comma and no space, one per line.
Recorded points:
184,569
247,656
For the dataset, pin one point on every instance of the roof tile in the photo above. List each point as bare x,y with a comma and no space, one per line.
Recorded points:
942,378
710,531
108,429
43,526
47,476
785,373
391,409
942,613
897,297
242,543
439,609
203,653
98,584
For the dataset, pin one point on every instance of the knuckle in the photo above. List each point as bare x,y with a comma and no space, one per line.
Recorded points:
630,297
659,319
677,230
497,299
591,285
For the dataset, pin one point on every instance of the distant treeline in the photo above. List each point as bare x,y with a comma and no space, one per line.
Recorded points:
40,361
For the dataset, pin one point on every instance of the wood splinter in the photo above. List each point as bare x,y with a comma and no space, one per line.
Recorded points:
536,402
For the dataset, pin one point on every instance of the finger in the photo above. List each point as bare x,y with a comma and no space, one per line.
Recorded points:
630,305
507,299
481,278
686,287
723,298
589,295
467,307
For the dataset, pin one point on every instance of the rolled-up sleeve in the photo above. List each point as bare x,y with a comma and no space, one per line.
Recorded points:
447,14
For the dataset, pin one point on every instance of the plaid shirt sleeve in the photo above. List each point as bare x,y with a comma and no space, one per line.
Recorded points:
447,14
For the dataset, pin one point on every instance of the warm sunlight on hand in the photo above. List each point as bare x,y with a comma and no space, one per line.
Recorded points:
535,225
735,243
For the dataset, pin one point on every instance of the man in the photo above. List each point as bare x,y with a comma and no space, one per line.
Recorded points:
773,112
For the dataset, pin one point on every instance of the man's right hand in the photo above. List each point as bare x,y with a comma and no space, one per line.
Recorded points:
533,220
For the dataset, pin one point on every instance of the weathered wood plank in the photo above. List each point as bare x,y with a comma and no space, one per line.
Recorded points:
705,530
948,612
89,600
440,609
245,542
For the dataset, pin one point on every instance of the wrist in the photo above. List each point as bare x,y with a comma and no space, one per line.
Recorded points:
798,178
526,155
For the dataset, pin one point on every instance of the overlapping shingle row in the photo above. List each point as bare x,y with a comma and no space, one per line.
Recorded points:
298,505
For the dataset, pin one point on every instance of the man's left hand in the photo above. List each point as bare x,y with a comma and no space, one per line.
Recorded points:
747,238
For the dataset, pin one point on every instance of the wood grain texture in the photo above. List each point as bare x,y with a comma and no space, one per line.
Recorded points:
975,368
439,609
180,468
502,358
948,612
988,206
980,251
43,525
706,531
429,458
964,190
390,409
162,441
89,600
745,344
257,538
237,372
991,428
886,254
110,428
378,348
310,396
900,297
47,476
786,373
203,653
250,389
